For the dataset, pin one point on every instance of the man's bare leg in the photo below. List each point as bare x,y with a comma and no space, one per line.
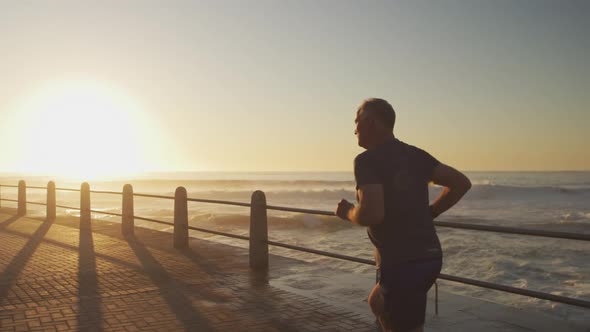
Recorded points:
377,301
377,304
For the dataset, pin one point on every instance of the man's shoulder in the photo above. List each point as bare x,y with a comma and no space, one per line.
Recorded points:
420,158
412,148
378,153
407,146
364,157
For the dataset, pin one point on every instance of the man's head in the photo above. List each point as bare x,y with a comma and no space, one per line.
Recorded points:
375,119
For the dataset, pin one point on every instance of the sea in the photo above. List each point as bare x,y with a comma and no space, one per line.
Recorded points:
557,201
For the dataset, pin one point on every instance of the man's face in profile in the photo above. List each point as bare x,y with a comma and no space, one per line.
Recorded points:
362,129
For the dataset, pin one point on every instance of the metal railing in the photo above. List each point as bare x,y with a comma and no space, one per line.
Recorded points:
258,230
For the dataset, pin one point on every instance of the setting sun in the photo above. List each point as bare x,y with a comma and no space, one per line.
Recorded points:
81,129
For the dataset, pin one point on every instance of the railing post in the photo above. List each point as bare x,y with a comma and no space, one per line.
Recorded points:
258,232
377,257
128,214
180,219
22,198
436,298
85,203
50,200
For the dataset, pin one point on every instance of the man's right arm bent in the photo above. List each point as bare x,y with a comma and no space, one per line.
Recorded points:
455,184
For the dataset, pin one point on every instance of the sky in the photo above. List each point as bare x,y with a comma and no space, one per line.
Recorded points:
109,87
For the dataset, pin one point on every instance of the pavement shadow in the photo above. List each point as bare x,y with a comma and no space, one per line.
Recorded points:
89,301
255,289
108,258
176,299
212,267
20,260
7,222
204,264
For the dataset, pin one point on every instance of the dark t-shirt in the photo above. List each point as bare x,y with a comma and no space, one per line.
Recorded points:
407,232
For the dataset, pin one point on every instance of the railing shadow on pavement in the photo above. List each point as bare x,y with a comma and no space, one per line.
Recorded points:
176,300
20,260
89,305
9,221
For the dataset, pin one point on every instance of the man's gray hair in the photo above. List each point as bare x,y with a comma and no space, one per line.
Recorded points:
381,109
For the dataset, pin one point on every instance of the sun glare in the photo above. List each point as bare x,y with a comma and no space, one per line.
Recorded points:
81,130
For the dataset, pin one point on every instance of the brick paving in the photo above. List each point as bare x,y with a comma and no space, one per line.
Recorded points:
62,276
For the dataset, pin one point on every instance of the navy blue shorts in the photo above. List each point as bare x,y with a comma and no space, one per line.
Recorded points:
405,287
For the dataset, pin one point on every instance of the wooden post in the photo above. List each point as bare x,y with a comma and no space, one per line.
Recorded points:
22,198
85,203
180,219
258,232
50,200
128,219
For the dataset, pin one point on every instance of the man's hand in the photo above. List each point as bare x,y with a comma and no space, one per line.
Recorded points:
370,209
343,209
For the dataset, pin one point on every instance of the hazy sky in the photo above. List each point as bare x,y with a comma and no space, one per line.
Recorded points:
274,85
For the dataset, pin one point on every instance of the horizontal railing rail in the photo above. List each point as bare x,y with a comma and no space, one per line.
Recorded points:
35,187
36,203
520,291
154,196
515,230
107,213
204,230
290,209
9,200
67,189
105,192
213,201
457,225
154,220
67,207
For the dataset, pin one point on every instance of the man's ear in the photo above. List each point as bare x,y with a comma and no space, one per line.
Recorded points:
375,124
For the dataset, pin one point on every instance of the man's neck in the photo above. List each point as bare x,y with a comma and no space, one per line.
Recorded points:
380,140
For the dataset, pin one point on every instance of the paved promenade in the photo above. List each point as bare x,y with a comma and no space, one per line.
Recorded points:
57,276
63,276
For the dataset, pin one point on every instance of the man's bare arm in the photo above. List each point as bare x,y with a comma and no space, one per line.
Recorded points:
371,207
455,184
